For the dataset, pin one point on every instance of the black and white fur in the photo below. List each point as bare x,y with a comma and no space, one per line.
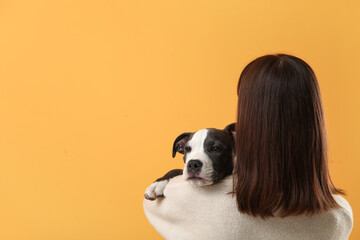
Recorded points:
208,158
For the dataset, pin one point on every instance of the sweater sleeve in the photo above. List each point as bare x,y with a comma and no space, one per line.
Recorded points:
156,214
166,213
189,212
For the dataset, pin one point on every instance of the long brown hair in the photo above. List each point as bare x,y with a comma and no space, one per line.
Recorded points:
281,143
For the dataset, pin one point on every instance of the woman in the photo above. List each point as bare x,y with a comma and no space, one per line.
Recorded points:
281,187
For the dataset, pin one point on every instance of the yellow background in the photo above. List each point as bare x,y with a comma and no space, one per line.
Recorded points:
93,93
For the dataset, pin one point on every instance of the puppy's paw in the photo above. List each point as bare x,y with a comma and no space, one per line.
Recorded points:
155,190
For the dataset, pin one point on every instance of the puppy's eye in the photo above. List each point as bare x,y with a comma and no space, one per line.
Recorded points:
187,149
215,148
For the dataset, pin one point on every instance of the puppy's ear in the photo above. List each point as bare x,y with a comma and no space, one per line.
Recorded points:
180,142
231,129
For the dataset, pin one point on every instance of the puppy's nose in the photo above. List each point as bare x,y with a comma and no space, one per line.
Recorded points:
194,166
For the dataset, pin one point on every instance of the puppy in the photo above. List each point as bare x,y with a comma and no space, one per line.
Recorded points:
208,158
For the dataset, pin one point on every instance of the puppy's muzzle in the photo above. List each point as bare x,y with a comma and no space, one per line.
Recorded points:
194,167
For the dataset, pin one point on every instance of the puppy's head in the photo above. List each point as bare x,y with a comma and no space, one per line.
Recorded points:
208,154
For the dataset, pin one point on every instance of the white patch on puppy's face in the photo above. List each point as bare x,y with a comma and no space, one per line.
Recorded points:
198,153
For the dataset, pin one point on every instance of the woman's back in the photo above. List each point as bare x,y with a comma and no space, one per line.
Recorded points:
190,212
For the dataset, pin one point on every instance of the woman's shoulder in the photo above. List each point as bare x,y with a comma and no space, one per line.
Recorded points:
346,208
184,192
178,185
337,223
181,194
342,217
194,210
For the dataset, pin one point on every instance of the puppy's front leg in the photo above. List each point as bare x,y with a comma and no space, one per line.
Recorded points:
156,189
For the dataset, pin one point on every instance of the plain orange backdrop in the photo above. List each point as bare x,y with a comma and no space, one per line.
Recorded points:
93,93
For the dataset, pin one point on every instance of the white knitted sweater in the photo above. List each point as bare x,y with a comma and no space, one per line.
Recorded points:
196,213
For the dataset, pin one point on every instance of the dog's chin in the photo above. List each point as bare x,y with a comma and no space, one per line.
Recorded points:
198,181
